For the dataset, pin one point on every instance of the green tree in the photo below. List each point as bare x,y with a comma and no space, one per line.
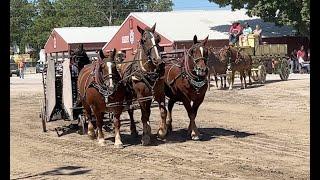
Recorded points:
160,5
43,23
21,18
295,13
77,13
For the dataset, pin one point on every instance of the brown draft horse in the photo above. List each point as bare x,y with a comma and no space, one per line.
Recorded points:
143,78
99,86
237,61
217,67
187,82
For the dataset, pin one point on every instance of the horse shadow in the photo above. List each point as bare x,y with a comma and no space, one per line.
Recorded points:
180,136
64,170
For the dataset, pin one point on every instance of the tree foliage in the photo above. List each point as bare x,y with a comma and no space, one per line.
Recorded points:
295,13
21,19
32,22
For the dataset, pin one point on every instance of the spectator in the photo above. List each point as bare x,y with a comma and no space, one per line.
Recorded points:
258,33
21,68
301,55
246,31
234,32
294,61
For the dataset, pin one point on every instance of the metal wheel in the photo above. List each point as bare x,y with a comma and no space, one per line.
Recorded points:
83,125
284,70
42,115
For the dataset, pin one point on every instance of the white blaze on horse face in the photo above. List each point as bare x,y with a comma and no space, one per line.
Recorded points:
201,50
154,45
109,65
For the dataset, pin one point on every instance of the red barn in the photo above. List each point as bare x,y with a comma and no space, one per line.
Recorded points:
62,40
177,29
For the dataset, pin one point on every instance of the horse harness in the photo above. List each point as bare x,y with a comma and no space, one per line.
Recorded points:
97,82
185,72
136,71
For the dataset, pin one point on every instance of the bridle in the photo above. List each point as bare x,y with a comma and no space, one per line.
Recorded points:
195,60
229,58
148,51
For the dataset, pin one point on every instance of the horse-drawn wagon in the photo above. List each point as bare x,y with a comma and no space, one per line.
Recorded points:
266,58
59,92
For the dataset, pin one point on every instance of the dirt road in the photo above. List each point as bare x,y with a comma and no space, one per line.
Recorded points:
257,133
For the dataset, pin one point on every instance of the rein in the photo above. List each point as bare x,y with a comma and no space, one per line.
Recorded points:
194,80
140,72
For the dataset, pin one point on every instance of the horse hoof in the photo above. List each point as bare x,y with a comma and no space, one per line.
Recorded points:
91,136
145,140
134,134
195,138
118,146
162,133
102,142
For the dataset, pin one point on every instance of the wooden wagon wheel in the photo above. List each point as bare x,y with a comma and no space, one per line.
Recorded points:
284,69
254,75
259,74
262,73
83,125
43,116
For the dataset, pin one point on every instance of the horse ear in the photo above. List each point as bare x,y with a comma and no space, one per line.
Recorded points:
114,52
204,42
140,30
153,27
101,55
195,39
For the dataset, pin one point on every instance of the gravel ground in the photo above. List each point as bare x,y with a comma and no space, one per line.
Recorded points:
257,133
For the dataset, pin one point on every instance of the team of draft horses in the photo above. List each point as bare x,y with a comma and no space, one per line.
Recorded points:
107,86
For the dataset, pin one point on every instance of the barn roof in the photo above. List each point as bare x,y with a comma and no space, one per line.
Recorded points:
73,35
183,25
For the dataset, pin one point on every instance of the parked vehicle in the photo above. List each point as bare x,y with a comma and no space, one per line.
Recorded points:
14,68
39,68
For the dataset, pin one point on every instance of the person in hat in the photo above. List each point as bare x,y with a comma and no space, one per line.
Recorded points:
234,32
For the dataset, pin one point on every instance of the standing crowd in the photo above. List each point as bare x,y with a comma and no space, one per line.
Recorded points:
300,61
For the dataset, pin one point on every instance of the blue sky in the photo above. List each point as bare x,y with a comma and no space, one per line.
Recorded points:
195,5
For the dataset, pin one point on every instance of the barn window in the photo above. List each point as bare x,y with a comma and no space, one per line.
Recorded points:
54,42
130,23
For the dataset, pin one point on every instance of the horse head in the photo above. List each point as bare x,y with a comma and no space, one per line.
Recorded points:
198,53
108,68
225,55
80,57
150,42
